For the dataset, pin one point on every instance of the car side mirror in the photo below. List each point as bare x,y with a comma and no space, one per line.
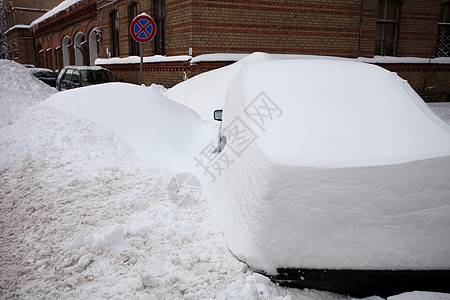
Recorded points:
218,115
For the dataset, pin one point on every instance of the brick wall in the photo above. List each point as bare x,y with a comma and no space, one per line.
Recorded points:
418,28
48,35
179,14
422,76
419,76
20,42
104,21
318,27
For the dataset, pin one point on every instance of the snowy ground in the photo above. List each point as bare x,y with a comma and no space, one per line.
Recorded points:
82,217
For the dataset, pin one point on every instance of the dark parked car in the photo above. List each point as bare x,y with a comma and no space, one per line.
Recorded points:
78,76
45,75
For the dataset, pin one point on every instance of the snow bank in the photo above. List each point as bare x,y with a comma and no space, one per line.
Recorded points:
330,170
156,128
19,90
206,92
83,218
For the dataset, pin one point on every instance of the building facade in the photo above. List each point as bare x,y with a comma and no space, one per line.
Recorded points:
346,28
18,15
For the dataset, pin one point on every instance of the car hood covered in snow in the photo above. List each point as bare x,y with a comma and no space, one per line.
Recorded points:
157,129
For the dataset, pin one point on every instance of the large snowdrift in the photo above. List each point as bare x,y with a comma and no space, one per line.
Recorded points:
206,92
158,129
334,165
81,217
19,90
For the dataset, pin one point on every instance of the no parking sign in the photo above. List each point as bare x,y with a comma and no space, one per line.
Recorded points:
143,28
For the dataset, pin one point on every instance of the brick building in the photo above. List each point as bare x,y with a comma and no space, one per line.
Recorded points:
18,15
345,28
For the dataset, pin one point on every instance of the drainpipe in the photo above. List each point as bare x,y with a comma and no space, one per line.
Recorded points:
360,27
34,50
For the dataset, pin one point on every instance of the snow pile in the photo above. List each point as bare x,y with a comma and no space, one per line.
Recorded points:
330,170
19,90
206,92
83,218
158,129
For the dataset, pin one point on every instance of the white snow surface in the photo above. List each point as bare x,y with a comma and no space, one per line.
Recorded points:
85,215
158,129
337,171
17,26
206,92
19,90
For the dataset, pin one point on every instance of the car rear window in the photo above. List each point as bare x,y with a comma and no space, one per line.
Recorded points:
97,76
43,74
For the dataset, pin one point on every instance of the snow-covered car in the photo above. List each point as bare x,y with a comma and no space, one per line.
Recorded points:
337,178
78,76
45,75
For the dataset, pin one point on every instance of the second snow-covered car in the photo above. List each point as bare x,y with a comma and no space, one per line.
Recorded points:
78,76
45,75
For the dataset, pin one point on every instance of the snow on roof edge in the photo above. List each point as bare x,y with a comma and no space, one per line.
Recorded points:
18,26
57,9
216,57
233,57
137,59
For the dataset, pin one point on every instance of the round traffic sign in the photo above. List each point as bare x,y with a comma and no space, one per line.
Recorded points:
143,28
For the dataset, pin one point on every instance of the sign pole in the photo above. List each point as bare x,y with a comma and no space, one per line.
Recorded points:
143,30
142,62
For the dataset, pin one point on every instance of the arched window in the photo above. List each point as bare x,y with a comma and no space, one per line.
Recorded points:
80,45
387,27
134,46
443,36
65,45
93,45
40,56
49,58
115,33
